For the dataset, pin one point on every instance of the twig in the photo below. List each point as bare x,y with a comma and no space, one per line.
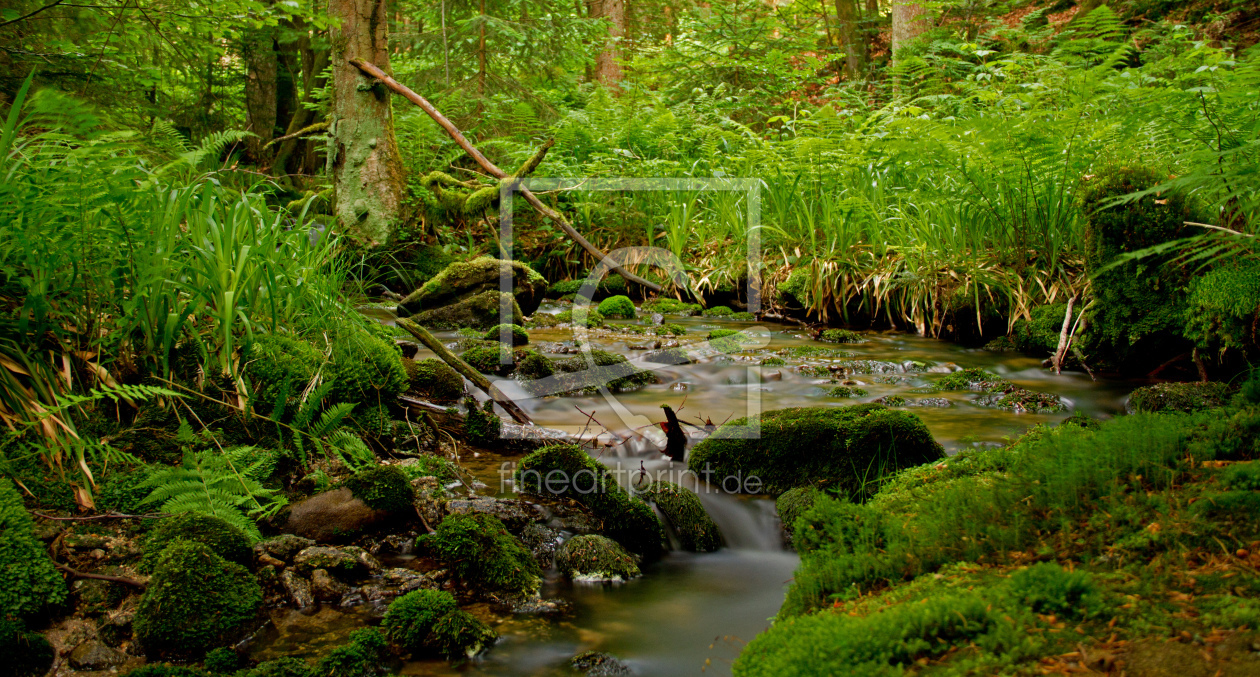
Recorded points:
309,129
112,515
1061,351
31,14
99,577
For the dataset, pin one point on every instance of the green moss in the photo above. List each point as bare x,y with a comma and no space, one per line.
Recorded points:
564,288
722,333
123,492
627,520
681,507
362,656
480,311
426,262
612,285
409,620
586,317
382,488
972,379
1223,311
30,586
195,600
1041,335
459,634
669,306
597,558
670,330
773,362
1242,476
792,291
367,370
850,447
223,660
224,539
519,337
480,550
434,380
1047,588
282,667
279,366
1022,400
165,670
617,307
840,336
892,401
574,375
847,391
464,280
26,654
481,425
490,359
717,311
430,465
533,366
793,503
1179,397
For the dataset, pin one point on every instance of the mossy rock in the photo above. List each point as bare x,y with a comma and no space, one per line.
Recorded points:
668,356
479,549
462,281
668,306
670,329
533,366
793,503
590,318
850,447
381,488
459,634
517,336
278,365
721,333
717,311
847,391
683,510
1022,400
482,427
973,379
367,370
1223,311
626,519
224,539
1040,336
617,308
195,600
362,656
27,654
478,312
223,661
840,336
434,380
576,376
564,288
1187,397
594,558
30,586
409,620
490,359
287,666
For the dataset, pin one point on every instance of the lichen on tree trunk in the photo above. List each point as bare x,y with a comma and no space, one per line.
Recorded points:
368,177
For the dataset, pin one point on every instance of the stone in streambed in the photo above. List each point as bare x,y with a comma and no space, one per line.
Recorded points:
464,280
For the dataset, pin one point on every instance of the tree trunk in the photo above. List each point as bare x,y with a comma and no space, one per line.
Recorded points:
261,68
607,62
368,180
846,14
909,21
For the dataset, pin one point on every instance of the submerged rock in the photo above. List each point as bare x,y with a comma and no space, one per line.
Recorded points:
595,559
599,664
464,280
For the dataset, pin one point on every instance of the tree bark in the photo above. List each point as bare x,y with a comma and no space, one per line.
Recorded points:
608,61
261,69
368,178
846,14
909,20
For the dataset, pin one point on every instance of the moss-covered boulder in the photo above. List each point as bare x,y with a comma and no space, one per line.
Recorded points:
793,503
224,539
480,551
593,558
279,366
367,370
26,654
362,502
481,311
516,334
409,620
840,336
695,530
1179,397
459,634
669,306
433,380
381,488
590,318
849,447
490,359
196,600
577,476
577,376
465,280
617,308
30,586
482,427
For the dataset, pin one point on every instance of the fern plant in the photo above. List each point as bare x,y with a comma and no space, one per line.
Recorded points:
224,485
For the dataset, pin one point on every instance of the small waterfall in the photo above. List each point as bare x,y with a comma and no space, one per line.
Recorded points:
746,523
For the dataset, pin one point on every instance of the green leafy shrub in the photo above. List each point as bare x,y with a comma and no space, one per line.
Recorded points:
617,307
594,557
851,447
1179,397
840,336
434,379
627,520
480,550
496,359
221,537
195,600
1048,588
696,531
367,370
280,366
519,337
382,488
409,620
27,654
360,657
29,584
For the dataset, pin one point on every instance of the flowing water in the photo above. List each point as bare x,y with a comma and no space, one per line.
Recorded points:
691,613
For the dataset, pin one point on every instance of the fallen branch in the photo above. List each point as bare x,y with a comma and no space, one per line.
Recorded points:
478,379
317,127
1061,351
100,577
486,164
108,516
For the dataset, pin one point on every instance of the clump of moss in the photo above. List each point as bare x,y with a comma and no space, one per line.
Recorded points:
850,447
533,366
360,657
721,333
972,379
681,507
26,654
847,391
29,584
224,539
195,600
564,288
1047,588
792,291
840,336
669,306
281,667
773,362
278,367
223,661
586,317
124,492
1023,400
381,488
490,359
1040,336
482,426
892,401
459,634
617,307
434,379
626,519
480,550
575,376
670,330
1179,397
409,620
793,503
367,370
717,311
518,335
595,558
1223,311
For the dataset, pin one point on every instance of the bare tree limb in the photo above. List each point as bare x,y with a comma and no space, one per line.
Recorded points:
28,15
100,577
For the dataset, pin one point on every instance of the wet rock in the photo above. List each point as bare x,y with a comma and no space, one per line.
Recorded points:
648,345
657,319
514,513
385,588
930,402
542,542
299,589
463,280
395,544
325,588
1022,400
673,355
408,348
339,561
96,655
115,628
599,664
282,547
332,515
542,607
595,559
430,500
